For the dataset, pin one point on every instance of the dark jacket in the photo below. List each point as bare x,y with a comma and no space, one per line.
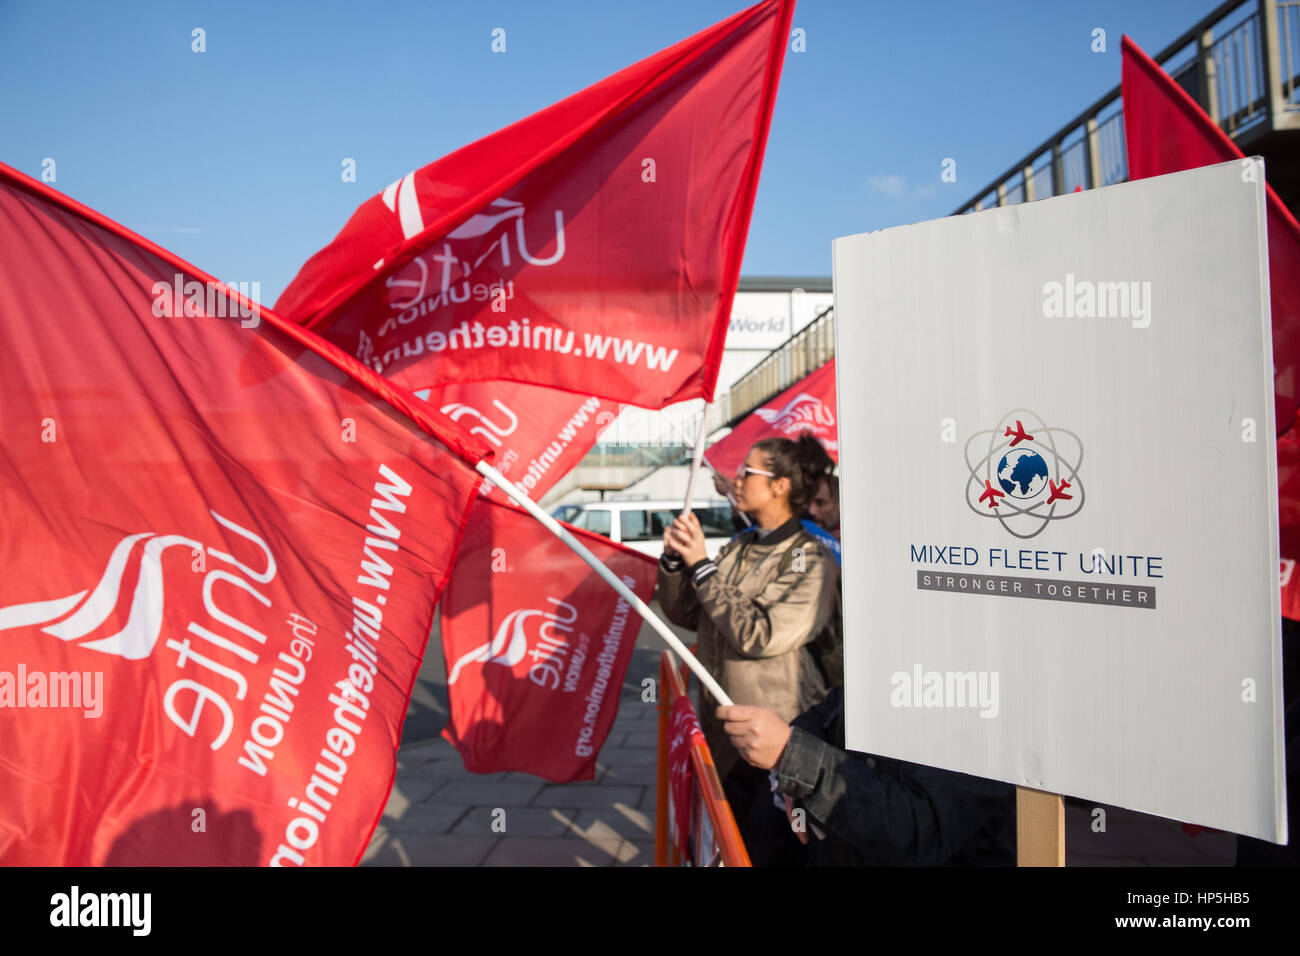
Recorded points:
876,811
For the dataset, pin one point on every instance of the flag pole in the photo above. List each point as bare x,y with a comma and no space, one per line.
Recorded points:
518,496
698,458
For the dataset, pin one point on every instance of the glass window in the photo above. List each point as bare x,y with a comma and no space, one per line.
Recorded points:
647,525
596,520
633,526
716,522
644,525
659,522
566,512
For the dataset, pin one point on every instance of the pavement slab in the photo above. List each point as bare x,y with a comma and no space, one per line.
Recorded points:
576,796
422,817
440,814
627,822
516,822
535,851
637,853
429,849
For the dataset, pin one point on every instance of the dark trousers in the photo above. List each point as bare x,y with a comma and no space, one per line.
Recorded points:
764,828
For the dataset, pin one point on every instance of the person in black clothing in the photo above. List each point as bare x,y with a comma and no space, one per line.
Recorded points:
874,811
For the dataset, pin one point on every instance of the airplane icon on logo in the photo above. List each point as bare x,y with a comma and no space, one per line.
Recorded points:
1058,491
991,493
1020,434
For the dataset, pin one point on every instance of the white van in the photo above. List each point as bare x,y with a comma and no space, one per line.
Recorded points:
640,524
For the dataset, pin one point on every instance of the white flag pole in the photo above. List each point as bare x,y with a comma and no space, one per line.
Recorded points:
698,458
520,498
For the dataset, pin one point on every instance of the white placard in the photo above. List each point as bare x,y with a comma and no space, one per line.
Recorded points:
1110,628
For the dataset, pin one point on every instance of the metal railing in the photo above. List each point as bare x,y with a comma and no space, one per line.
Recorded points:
1288,46
624,456
806,351
1241,64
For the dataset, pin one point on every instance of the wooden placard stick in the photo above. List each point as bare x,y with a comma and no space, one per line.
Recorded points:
1040,828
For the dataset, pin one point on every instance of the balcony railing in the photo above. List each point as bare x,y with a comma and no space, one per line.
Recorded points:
1241,63
804,352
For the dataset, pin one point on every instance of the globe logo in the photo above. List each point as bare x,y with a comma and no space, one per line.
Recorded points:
1022,473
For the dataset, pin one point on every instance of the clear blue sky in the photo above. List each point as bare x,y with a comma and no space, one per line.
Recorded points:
231,158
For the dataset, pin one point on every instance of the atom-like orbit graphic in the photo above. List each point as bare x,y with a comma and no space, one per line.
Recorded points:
990,494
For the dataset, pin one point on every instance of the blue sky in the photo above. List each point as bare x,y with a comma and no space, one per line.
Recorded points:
231,157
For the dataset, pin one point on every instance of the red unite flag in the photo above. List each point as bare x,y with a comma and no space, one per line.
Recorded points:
684,734
536,645
1290,579
593,247
807,406
1167,131
538,434
216,594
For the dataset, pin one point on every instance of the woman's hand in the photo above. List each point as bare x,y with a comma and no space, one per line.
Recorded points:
686,537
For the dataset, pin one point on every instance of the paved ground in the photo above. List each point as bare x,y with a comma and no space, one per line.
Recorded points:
440,814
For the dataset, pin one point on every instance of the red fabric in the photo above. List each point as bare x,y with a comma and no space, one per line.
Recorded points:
183,538
1290,579
1166,132
807,406
536,645
616,278
683,734
538,434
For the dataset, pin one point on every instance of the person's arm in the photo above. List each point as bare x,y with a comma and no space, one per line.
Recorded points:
675,593
917,816
790,611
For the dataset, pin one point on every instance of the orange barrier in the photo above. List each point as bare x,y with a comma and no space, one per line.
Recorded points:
715,838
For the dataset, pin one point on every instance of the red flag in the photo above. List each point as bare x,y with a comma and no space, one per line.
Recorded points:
1290,580
806,406
216,596
539,434
536,645
1166,132
684,734
594,246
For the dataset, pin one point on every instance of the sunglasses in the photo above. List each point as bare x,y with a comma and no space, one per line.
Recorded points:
745,471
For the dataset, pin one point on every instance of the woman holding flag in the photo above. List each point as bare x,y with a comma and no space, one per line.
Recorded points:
756,609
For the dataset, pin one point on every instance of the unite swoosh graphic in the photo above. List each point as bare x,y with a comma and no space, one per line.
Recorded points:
776,417
508,646
91,608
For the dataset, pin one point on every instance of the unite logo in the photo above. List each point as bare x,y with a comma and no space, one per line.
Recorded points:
509,645
462,252
489,429
476,260
803,412
80,618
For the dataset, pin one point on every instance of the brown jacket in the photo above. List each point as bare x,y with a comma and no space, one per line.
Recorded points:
756,609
